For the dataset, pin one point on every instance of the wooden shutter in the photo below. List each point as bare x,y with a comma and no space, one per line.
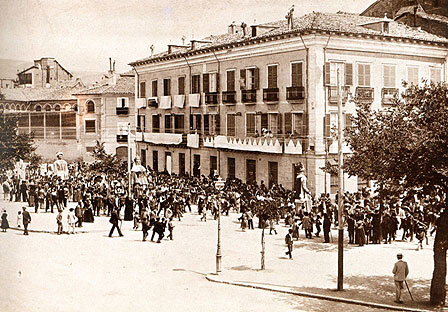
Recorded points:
181,85
243,82
279,124
288,123
142,89
327,125
272,76
327,74
296,75
305,123
348,74
348,122
217,82
231,80
256,78
217,124
206,83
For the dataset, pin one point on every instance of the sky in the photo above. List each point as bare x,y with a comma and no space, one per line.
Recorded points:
83,34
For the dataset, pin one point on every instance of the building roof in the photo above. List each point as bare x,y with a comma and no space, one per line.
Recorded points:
27,69
343,23
37,94
421,13
124,85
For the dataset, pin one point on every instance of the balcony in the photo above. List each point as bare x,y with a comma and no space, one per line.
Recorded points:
270,95
163,138
193,140
389,95
249,96
122,110
365,94
211,98
152,102
293,146
263,145
333,95
122,138
229,97
140,103
295,93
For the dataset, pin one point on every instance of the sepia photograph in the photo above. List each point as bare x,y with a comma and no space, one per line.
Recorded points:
246,156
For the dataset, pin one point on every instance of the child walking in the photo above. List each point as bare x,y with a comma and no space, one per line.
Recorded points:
59,222
19,219
5,224
170,228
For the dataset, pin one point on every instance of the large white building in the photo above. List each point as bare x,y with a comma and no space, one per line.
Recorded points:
207,106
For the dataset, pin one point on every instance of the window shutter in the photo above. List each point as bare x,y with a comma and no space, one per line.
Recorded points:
327,125
348,121
217,82
288,123
327,74
279,124
243,79
367,77
231,80
299,74
217,124
348,74
206,82
257,78
305,124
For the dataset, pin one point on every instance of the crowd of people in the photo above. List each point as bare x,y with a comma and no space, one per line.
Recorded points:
160,198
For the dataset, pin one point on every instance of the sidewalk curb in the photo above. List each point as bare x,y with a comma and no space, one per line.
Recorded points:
211,278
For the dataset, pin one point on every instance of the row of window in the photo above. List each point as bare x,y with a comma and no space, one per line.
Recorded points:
250,78
38,108
256,124
122,106
364,74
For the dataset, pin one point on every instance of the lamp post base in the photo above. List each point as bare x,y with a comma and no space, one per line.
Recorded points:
218,263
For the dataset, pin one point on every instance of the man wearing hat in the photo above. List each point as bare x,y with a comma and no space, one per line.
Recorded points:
400,272
60,167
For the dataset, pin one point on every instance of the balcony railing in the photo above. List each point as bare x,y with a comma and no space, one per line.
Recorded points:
122,110
211,98
365,94
229,97
333,94
122,138
249,96
270,95
388,95
295,93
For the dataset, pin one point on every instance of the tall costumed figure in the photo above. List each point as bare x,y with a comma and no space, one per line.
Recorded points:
303,194
60,167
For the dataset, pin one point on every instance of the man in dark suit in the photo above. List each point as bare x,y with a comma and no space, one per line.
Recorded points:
114,220
26,220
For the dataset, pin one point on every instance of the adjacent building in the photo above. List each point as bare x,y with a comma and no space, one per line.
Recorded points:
255,102
45,73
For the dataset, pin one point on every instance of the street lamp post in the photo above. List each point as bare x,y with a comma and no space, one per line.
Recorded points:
219,184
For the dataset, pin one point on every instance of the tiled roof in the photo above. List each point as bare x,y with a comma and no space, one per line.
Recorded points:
37,94
347,23
124,85
434,17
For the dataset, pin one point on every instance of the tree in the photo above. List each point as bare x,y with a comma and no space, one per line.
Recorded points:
107,164
14,146
405,149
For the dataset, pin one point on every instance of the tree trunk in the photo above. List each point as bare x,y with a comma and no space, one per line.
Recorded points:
438,292
262,249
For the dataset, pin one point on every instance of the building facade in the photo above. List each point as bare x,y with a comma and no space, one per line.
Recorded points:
45,73
104,115
256,102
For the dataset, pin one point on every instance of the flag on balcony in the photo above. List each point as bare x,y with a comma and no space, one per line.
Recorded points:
178,101
165,102
194,99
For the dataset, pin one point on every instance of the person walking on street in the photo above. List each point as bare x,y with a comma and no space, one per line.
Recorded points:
114,220
59,222
327,228
289,243
5,224
26,220
400,272
71,220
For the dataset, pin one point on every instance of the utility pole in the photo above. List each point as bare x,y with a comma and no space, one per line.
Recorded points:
341,192
129,159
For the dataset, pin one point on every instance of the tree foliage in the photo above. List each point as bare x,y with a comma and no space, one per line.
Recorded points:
14,146
405,149
106,164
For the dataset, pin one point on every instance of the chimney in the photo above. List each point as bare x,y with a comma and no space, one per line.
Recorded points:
386,24
232,28
415,16
110,64
113,67
290,18
193,44
254,30
152,49
183,40
169,49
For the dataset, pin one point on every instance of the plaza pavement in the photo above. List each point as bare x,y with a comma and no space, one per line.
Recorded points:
95,268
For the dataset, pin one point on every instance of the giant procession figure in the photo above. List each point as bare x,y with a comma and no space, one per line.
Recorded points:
303,194
139,177
60,167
